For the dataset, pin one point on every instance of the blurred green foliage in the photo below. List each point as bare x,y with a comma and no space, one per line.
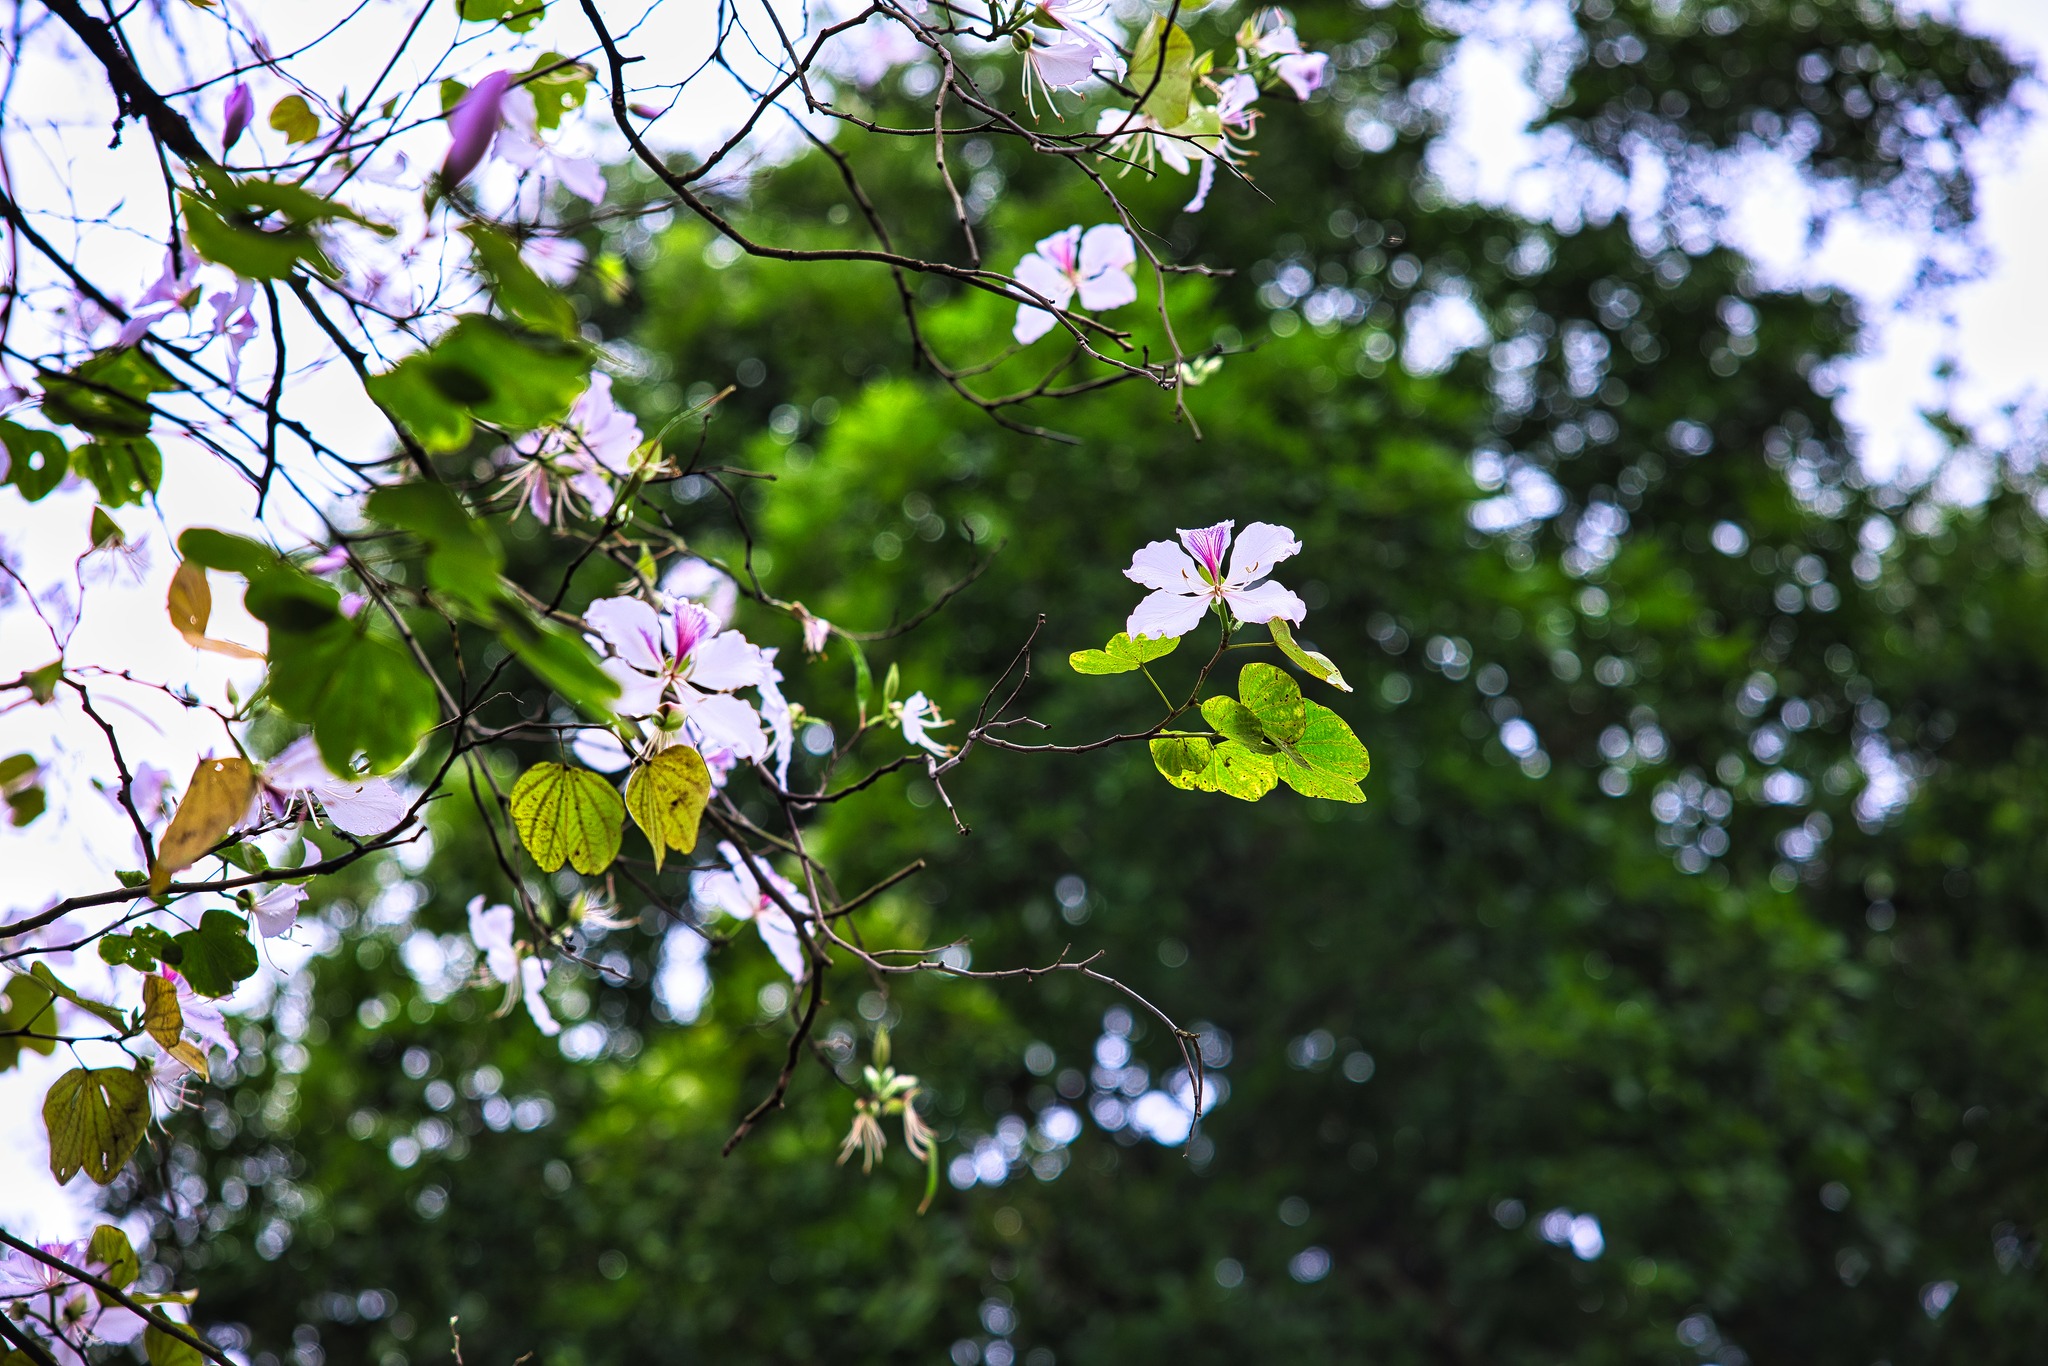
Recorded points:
1699,891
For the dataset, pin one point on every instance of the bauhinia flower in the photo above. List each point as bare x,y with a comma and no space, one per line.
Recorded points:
519,143
472,126
278,909
1185,582
1096,265
202,1017
490,928
1061,50
735,891
680,664
1268,41
297,780
593,446
918,715
233,319
236,112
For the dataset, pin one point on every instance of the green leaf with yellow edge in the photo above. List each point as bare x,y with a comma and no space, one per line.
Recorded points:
1198,765
1122,655
37,461
1233,720
215,801
96,1117
568,815
294,118
25,1005
1271,695
217,957
1163,72
1317,666
666,797
115,1256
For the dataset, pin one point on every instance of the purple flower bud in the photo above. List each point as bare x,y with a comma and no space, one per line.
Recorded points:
472,126
239,109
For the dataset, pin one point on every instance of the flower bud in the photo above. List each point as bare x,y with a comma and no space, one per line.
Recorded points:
472,125
236,113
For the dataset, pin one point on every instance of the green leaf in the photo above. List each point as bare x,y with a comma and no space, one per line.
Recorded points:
568,814
42,683
164,1350
1328,761
25,1005
294,118
1174,76
24,806
1272,696
36,460
463,557
111,1251
1197,765
1122,655
254,198
863,677
223,550
251,252
359,691
557,86
107,396
1315,665
96,1118
666,798
482,369
49,981
218,955
518,290
516,15
1235,721
125,469
562,660
15,767
142,950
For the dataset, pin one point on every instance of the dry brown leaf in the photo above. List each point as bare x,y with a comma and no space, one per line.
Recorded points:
215,800
191,607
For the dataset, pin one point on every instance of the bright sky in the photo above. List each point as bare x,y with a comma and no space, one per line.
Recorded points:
1990,325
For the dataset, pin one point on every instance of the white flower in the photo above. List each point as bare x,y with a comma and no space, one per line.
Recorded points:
735,891
519,143
490,928
1096,265
298,779
1185,587
593,446
278,909
704,582
918,716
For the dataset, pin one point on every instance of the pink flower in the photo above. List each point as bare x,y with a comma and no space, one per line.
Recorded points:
520,145
235,115
735,891
1270,37
232,319
472,125
503,962
1184,587
297,779
682,663
1096,265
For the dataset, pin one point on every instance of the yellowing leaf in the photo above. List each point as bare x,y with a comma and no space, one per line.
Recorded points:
294,118
217,797
568,814
666,798
1314,664
191,607
96,1118
111,1251
162,1016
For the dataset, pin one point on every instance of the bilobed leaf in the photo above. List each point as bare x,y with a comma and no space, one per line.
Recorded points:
217,957
1328,761
215,800
358,689
115,1256
294,118
482,368
96,1118
557,86
37,461
191,606
516,15
1162,63
251,252
42,683
25,1005
1313,664
162,1016
24,806
1122,655
568,814
463,558
1239,772
1197,765
1275,699
1184,762
666,798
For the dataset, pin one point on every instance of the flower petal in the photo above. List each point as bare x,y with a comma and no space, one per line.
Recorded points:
366,807
1206,544
1166,615
631,628
780,936
1046,278
1032,323
725,720
639,694
1254,605
491,929
724,662
533,975
1261,546
1163,564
